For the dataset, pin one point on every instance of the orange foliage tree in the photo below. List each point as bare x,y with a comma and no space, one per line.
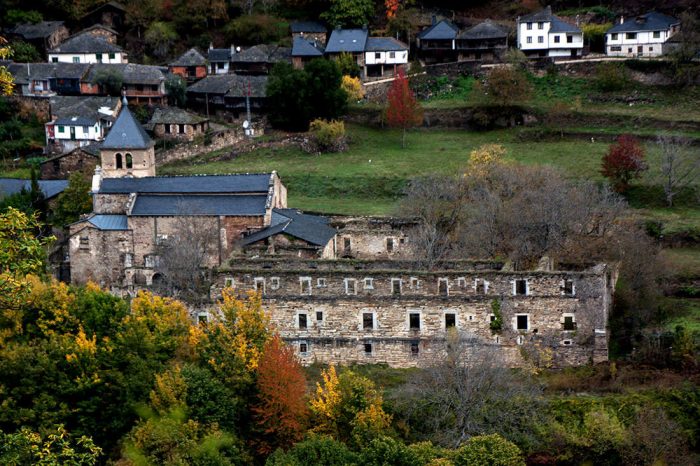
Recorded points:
403,110
281,411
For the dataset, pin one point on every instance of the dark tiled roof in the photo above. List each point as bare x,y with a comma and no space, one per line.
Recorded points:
39,30
86,43
76,121
109,222
190,58
83,106
70,70
310,228
132,73
262,53
175,115
256,85
376,44
127,133
24,72
92,149
225,184
219,55
307,26
649,22
50,188
485,30
100,26
199,204
214,84
305,48
562,26
347,40
442,30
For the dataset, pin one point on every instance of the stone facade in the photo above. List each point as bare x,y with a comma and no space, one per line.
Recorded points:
64,165
393,312
180,131
373,237
128,162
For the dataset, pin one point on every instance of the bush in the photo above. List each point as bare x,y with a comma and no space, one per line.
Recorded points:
329,136
256,29
489,450
504,86
353,88
347,65
611,77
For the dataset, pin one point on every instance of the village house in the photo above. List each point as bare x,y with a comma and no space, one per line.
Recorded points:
305,50
484,41
86,47
643,36
542,34
44,35
67,76
384,56
220,59
312,31
191,65
352,41
259,59
140,83
437,42
102,31
174,123
32,79
229,93
82,159
77,121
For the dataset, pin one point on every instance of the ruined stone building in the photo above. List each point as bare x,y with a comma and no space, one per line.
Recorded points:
339,289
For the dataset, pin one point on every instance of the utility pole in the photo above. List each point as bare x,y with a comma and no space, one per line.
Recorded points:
249,130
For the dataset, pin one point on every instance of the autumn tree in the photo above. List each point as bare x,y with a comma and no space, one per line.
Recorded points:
281,411
484,158
504,86
6,79
624,162
56,447
403,110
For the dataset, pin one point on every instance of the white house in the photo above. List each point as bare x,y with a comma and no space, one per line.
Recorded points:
643,36
87,48
77,121
384,55
542,34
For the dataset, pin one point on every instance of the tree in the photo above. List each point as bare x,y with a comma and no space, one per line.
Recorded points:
504,86
680,165
110,81
6,79
281,411
176,88
74,201
353,88
14,17
623,162
25,52
57,447
689,38
484,158
403,110
315,450
160,37
348,65
349,13
489,450
324,86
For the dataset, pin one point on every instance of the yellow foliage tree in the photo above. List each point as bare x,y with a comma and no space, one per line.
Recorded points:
353,87
484,158
250,325
166,320
6,79
325,405
169,392
371,422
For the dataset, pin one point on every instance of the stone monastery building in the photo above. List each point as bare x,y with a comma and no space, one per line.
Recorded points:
340,289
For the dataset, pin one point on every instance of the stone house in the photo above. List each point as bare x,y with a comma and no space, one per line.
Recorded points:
102,31
82,159
77,121
229,93
484,41
542,34
140,83
312,31
304,50
44,35
643,36
220,60
259,59
178,124
66,78
111,14
191,65
86,47
32,79
436,43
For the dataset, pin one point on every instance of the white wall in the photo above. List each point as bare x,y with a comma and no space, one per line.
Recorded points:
400,58
93,134
216,70
548,39
119,57
651,46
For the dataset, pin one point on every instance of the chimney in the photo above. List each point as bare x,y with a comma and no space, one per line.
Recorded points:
549,9
578,20
211,45
233,50
622,19
433,20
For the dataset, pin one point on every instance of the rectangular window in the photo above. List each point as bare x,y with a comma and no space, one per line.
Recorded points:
202,318
540,39
540,25
414,321
369,283
98,57
275,283
392,54
568,287
220,66
657,34
569,323
128,259
557,39
390,245
443,287
76,59
228,282
84,242
462,282
368,348
613,36
54,59
415,283
321,283
112,56
167,128
259,284
181,129
529,40
521,322
303,324
305,283
520,287
450,320
569,39
651,49
631,35
616,49
347,245
377,55
414,348
303,347
396,286
529,26
319,316
350,286
86,130
367,321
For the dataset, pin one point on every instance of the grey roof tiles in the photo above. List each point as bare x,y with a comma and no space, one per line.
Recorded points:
127,133
347,40
210,184
199,204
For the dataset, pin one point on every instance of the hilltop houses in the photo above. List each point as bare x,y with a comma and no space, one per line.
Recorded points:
86,47
78,121
642,36
444,42
542,34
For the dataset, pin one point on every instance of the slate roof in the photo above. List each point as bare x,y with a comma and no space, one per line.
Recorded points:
310,228
544,16
109,222
485,30
76,121
562,26
92,149
231,85
216,55
199,204
24,72
50,188
39,30
100,26
538,16
376,44
70,70
347,40
86,43
190,58
175,115
305,48
442,30
127,133
210,184
213,84
652,21
132,73
307,26
82,106
256,85
262,53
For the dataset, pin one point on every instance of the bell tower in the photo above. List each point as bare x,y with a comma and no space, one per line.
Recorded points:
127,151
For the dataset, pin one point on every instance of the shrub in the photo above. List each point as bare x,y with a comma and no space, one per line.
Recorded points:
489,450
623,162
353,87
595,33
347,65
611,77
504,86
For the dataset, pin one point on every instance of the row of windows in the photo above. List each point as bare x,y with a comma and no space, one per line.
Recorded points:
640,49
62,129
369,321
540,25
389,242
520,287
98,57
557,39
633,35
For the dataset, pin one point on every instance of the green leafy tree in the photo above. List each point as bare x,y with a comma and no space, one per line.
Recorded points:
25,52
56,448
74,201
13,17
176,88
324,85
489,450
256,29
504,86
315,450
347,65
160,37
349,13
386,450
110,81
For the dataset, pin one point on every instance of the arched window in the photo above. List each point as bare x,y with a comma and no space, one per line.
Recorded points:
118,160
129,161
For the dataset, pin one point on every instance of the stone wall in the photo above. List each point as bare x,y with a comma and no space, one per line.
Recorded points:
97,255
373,237
60,168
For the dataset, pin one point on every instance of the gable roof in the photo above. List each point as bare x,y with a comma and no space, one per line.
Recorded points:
97,26
25,72
92,149
190,58
652,21
305,48
127,133
39,30
562,26
85,42
199,205
219,54
175,115
232,85
76,121
546,16
442,30
347,40
132,73
262,53
484,30
242,85
70,70
310,228
307,26
202,184
376,44
50,188
83,106
213,84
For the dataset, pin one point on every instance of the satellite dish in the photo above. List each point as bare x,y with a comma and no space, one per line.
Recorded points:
246,124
